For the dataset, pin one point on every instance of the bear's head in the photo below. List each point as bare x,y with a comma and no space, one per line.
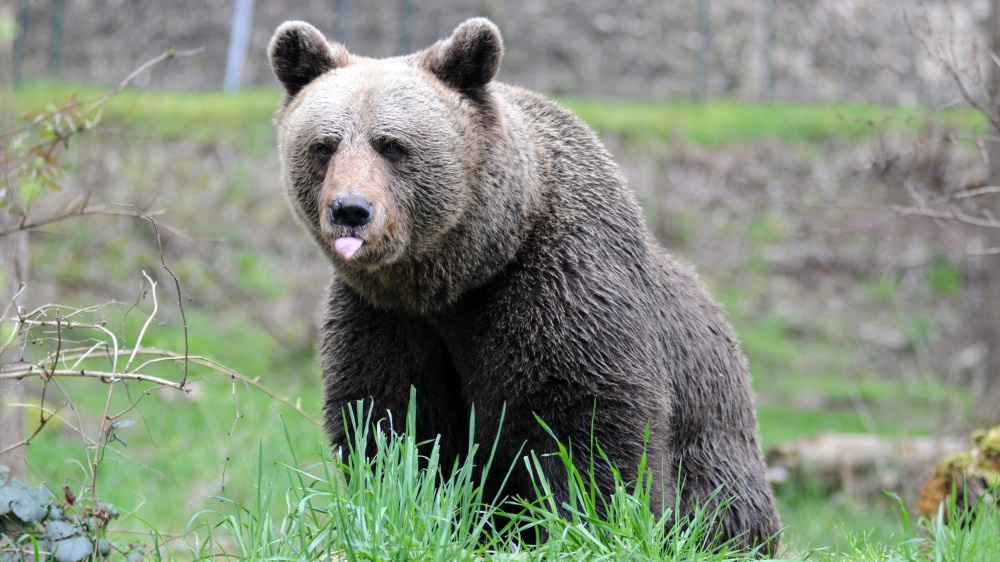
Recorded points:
409,172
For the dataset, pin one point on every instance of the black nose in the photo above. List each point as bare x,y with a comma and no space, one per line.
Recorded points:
352,211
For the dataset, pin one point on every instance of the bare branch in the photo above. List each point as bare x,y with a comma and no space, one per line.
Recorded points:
949,214
97,104
149,319
969,193
177,285
254,382
983,251
33,370
99,210
22,371
12,305
102,434
41,424
923,115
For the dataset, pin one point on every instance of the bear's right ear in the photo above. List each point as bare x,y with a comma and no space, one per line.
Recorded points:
299,54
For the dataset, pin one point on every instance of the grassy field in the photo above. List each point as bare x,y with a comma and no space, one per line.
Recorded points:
246,116
219,439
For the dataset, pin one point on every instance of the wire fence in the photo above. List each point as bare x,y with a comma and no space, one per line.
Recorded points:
807,50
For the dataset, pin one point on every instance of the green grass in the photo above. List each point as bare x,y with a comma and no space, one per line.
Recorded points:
717,122
809,386
175,457
204,116
183,448
245,115
400,504
972,537
819,521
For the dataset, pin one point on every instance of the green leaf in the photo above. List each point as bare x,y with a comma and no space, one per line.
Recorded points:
29,510
30,505
135,555
113,436
70,124
56,513
28,189
59,530
72,549
108,508
104,547
7,497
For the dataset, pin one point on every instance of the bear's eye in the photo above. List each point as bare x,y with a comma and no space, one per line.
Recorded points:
322,151
391,149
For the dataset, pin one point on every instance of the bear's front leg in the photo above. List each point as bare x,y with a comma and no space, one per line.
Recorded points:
375,356
582,423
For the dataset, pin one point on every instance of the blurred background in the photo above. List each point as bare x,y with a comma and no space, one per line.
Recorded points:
821,163
813,50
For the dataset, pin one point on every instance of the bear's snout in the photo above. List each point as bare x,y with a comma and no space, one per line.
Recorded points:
352,211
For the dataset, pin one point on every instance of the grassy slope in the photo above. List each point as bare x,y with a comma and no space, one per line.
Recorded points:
721,121
246,116
174,427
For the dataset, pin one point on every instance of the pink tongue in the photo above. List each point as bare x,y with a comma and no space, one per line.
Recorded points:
347,246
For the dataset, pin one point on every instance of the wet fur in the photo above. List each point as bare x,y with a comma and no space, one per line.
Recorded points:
508,265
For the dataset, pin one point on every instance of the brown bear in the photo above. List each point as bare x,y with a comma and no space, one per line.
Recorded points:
488,252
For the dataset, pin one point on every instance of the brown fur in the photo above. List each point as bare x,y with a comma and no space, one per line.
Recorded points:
506,265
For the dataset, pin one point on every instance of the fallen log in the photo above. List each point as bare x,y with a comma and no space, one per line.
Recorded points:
860,464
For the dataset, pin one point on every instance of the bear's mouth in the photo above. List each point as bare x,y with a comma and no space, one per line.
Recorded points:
347,246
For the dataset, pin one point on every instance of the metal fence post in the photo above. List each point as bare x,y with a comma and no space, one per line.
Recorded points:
56,45
767,64
341,29
20,39
239,39
405,25
704,50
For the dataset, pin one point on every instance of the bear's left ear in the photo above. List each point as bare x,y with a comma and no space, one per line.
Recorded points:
470,58
299,54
